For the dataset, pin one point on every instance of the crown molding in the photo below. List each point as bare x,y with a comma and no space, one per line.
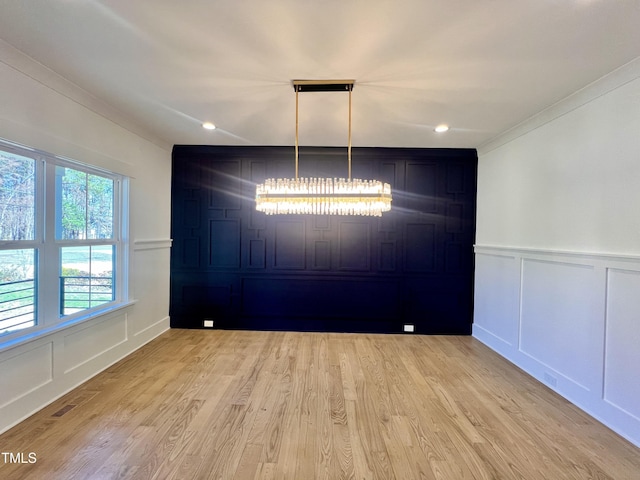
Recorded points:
26,65
613,80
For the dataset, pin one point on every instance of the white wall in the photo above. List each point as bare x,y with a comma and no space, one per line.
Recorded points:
557,282
41,110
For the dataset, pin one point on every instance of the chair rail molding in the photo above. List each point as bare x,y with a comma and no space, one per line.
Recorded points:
152,244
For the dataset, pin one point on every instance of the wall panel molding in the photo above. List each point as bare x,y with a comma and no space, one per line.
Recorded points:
354,245
289,243
570,319
412,265
224,243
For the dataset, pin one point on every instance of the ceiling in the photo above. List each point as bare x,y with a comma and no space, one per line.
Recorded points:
480,66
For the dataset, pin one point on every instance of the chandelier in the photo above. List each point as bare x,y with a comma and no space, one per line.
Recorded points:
323,196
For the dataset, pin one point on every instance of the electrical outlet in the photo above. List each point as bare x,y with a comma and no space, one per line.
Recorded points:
208,323
409,328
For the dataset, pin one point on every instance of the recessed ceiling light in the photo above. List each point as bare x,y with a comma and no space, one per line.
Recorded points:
208,126
441,128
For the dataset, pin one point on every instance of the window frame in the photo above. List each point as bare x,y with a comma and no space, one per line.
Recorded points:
48,249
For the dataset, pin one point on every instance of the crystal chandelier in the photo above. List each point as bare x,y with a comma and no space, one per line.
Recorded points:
323,196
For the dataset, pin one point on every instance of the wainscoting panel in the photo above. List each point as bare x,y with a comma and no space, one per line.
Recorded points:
28,369
276,297
497,297
622,347
570,319
244,269
80,348
558,304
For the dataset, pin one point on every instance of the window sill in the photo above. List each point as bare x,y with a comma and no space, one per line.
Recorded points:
30,335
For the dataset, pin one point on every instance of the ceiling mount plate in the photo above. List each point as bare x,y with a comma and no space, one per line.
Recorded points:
323,85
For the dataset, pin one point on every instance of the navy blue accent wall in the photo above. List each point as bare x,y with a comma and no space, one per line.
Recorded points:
246,270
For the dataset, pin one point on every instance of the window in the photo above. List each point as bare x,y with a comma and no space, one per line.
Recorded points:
17,229
61,239
84,231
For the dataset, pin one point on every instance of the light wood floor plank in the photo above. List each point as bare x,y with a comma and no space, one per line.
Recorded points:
208,404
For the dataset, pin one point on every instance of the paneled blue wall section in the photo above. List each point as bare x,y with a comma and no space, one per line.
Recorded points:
246,270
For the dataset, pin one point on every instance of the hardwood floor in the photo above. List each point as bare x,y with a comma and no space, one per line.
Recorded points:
205,404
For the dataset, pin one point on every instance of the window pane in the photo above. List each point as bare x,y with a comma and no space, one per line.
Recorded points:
17,197
86,277
71,199
100,218
17,289
85,205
